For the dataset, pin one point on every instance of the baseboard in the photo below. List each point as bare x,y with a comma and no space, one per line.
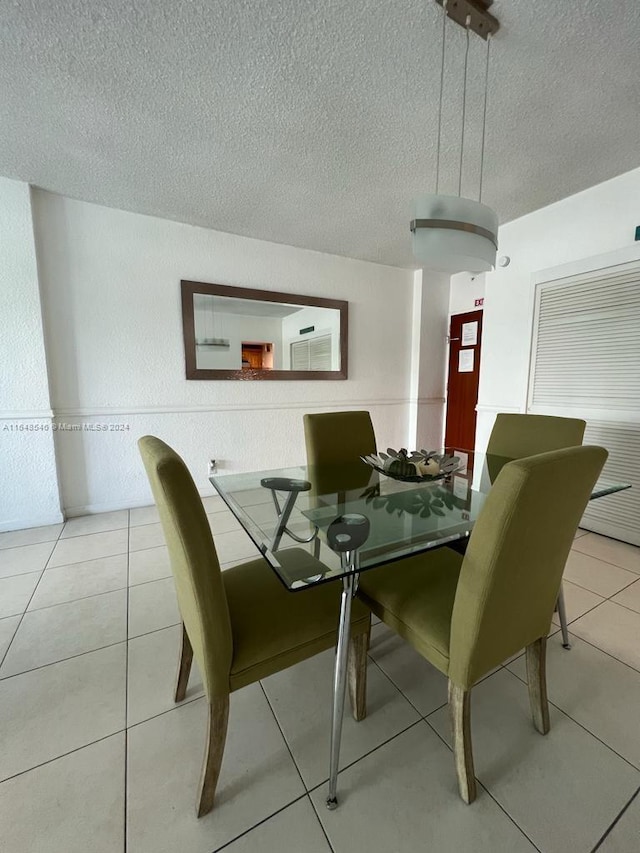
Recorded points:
96,509
36,521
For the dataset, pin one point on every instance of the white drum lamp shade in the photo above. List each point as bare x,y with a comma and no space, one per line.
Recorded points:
453,234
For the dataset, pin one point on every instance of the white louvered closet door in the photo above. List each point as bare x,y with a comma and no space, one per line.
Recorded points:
300,355
320,352
312,354
586,363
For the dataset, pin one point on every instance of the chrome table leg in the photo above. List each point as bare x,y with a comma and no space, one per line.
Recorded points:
562,616
345,535
283,518
349,587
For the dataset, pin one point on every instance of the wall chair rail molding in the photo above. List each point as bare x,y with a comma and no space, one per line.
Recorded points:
27,415
493,409
306,405
244,334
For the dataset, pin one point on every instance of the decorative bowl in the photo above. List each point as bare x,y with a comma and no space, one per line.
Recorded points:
419,466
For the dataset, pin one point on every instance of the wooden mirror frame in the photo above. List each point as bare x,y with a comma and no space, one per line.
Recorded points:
189,332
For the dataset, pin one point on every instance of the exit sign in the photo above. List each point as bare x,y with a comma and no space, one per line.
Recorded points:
479,302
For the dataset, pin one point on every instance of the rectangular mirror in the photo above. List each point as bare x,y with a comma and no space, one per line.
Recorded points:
241,333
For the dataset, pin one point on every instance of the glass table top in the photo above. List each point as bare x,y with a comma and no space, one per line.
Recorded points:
294,507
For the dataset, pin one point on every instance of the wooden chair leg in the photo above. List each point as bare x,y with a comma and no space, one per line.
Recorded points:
357,675
214,750
184,666
537,679
460,714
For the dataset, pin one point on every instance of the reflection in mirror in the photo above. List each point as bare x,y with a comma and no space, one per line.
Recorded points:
260,336
234,334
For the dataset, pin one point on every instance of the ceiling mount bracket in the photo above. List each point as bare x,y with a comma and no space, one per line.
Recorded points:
480,21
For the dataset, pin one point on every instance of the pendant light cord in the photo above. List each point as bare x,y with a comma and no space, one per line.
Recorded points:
444,37
464,104
484,114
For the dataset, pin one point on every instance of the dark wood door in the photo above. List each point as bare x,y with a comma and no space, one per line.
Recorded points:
465,336
251,357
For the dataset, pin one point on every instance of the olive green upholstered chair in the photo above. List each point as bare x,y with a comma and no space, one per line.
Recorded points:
514,436
467,614
335,441
338,437
241,625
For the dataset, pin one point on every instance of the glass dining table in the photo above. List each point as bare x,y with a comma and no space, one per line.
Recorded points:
351,519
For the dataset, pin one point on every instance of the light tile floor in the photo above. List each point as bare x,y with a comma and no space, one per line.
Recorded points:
96,756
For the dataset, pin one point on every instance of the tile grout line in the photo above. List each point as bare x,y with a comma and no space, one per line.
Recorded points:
80,598
622,812
324,831
605,652
484,788
608,562
582,639
399,689
368,753
126,693
259,823
388,677
582,726
286,742
95,532
88,651
62,755
619,604
307,794
571,621
182,704
129,585
90,559
17,628
126,526
122,731
22,574
599,594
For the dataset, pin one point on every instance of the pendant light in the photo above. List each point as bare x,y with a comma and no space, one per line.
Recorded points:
207,325
453,234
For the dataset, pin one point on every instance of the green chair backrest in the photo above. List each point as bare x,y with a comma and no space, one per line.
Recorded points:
194,563
335,441
517,551
335,437
514,436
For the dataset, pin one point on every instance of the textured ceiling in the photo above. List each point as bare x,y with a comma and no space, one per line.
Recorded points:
311,123
245,307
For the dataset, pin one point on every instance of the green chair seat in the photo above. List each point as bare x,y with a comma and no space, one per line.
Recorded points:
242,624
468,614
415,597
272,628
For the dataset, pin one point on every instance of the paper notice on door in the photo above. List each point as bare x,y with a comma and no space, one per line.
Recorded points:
470,334
461,488
465,361
464,460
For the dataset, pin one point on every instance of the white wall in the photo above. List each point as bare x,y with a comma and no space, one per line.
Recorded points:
28,478
598,221
325,320
430,325
465,289
237,328
110,284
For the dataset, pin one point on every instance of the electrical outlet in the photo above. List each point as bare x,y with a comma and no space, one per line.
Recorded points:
212,467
